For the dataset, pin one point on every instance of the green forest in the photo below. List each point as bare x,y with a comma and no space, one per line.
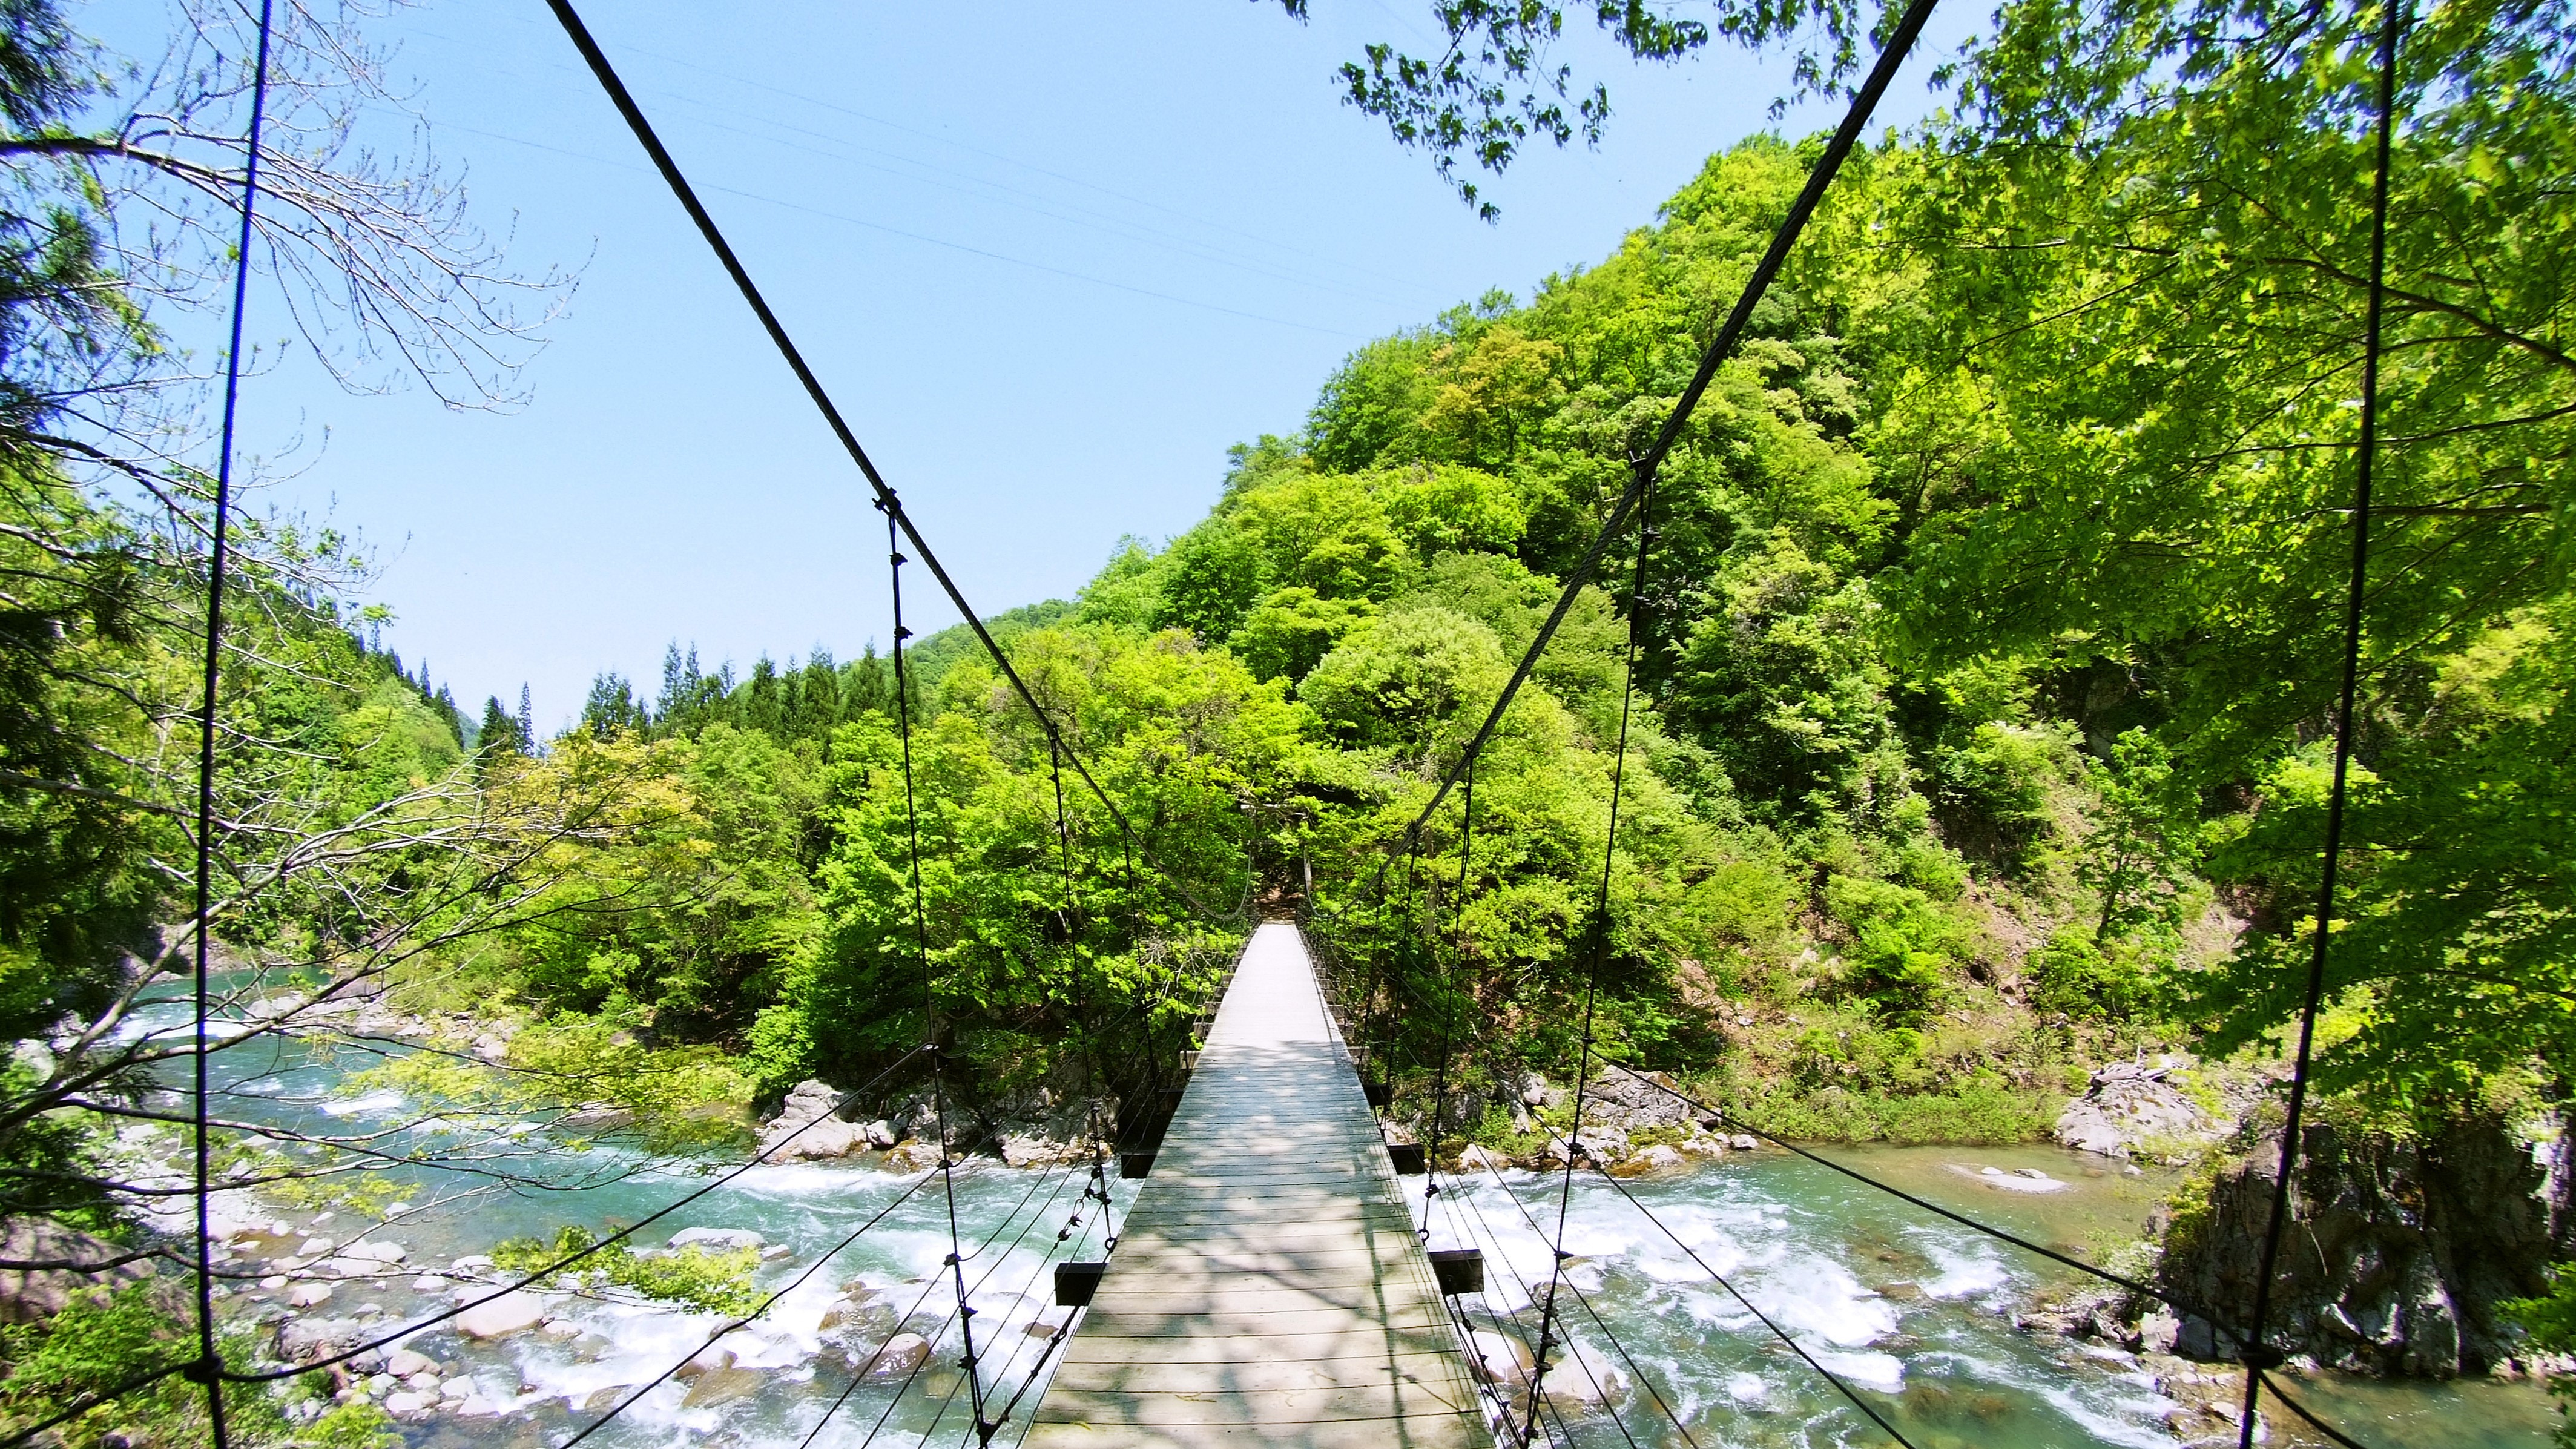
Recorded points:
1979,729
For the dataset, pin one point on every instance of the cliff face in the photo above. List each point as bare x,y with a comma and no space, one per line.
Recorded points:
2397,1253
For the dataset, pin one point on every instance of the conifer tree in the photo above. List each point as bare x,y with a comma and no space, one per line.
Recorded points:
761,707
818,698
867,687
499,733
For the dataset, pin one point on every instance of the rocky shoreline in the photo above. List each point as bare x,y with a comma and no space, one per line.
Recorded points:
315,1283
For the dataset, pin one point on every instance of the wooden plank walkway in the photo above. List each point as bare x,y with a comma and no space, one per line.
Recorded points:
1267,1287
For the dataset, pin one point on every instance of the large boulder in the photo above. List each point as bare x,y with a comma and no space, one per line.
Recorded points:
805,1127
301,1340
914,1156
2399,1252
30,1294
2131,1107
1654,1159
723,1386
1594,1145
817,1141
1577,1374
1636,1101
1501,1358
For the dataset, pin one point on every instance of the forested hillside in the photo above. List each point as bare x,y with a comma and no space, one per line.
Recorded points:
1981,697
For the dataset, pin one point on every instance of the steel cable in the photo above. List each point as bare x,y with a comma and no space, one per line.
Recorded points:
1900,42
885,499
1574,1148
569,1259
1782,1334
2259,1355
595,1425
1504,1259
208,1369
929,982
942,1330
2145,1290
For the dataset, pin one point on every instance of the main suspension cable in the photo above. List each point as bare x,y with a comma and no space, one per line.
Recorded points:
2259,1355
885,497
1900,42
208,1370
1638,631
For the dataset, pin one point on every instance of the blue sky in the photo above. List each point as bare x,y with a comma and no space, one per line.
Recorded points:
1051,261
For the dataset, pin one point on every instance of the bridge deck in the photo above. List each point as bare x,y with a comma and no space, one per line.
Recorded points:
1267,1287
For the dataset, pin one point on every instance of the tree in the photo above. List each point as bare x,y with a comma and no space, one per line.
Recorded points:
1491,88
611,706
499,734
2145,838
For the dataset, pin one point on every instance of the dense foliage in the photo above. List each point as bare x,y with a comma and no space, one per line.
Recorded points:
1966,720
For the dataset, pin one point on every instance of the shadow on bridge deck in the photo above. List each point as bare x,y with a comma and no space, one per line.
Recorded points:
1267,1287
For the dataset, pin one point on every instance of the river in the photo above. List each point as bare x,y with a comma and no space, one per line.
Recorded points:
1914,1313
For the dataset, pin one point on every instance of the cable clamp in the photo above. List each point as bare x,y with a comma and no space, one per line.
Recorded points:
897,559
901,632
200,1370
2263,1356
949,1262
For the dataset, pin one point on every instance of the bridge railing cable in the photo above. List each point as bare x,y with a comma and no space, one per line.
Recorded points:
860,1372
1502,1322
941,1331
570,1259
747,1319
1777,1331
1598,1322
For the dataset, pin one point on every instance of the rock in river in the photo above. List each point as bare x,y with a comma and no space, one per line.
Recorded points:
508,1314
901,1355
722,1386
717,1240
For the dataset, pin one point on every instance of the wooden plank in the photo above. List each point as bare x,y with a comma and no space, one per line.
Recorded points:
1268,1287
1167,1375
1340,1398
1379,1341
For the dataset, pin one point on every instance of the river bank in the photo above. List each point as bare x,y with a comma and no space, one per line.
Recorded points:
1939,1327
1934,1324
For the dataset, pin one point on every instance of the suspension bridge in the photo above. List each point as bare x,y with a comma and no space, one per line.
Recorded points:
1268,1286
1268,1283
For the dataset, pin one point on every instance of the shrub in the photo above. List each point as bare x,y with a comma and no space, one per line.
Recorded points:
710,1282
2073,975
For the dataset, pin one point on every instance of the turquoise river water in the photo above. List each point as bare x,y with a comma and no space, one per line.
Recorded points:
1916,1313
